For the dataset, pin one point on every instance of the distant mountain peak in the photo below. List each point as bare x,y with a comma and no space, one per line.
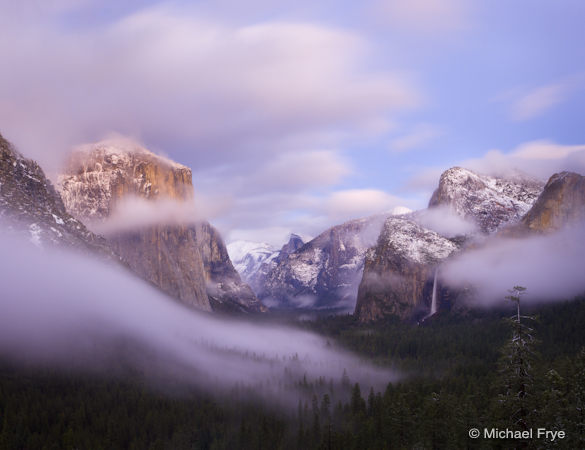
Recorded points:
254,260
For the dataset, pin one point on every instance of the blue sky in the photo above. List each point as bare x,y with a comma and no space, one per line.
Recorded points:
295,116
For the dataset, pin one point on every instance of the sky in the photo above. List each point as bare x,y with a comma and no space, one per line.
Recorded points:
298,115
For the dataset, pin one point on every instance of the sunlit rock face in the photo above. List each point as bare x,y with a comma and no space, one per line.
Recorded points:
98,176
30,205
399,270
561,203
176,257
490,202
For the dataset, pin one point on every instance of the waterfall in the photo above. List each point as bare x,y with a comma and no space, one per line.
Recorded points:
434,298
434,306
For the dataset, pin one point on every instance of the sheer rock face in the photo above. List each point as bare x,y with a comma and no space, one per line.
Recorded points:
561,203
399,271
225,289
168,256
178,258
30,204
488,201
325,272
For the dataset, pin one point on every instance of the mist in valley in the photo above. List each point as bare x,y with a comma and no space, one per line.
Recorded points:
69,311
550,266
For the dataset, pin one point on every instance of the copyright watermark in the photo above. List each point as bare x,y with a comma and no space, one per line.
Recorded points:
474,433
507,433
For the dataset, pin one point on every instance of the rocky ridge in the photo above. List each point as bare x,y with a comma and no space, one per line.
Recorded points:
29,202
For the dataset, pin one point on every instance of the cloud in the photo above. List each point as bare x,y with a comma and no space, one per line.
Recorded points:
300,170
444,221
418,136
527,104
132,213
260,109
276,236
63,309
424,16
355,203
546,150
538,101
211,90
273,216
540,159
549,266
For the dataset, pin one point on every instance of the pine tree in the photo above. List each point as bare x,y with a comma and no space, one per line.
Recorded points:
517,367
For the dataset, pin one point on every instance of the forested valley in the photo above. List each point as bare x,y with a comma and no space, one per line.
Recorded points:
456,375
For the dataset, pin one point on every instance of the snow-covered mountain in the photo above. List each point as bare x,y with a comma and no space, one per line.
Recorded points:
247,257
254,260
401,270
489,202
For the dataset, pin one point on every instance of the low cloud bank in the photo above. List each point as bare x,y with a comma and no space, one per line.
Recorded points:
550,266
132,213
58,308
444,221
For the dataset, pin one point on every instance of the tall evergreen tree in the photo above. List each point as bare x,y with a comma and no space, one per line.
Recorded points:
517,364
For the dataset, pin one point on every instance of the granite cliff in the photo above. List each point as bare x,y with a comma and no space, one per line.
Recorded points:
400,270
561,203
186,259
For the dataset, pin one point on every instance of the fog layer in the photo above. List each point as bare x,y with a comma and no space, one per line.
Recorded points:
550,266
58,307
